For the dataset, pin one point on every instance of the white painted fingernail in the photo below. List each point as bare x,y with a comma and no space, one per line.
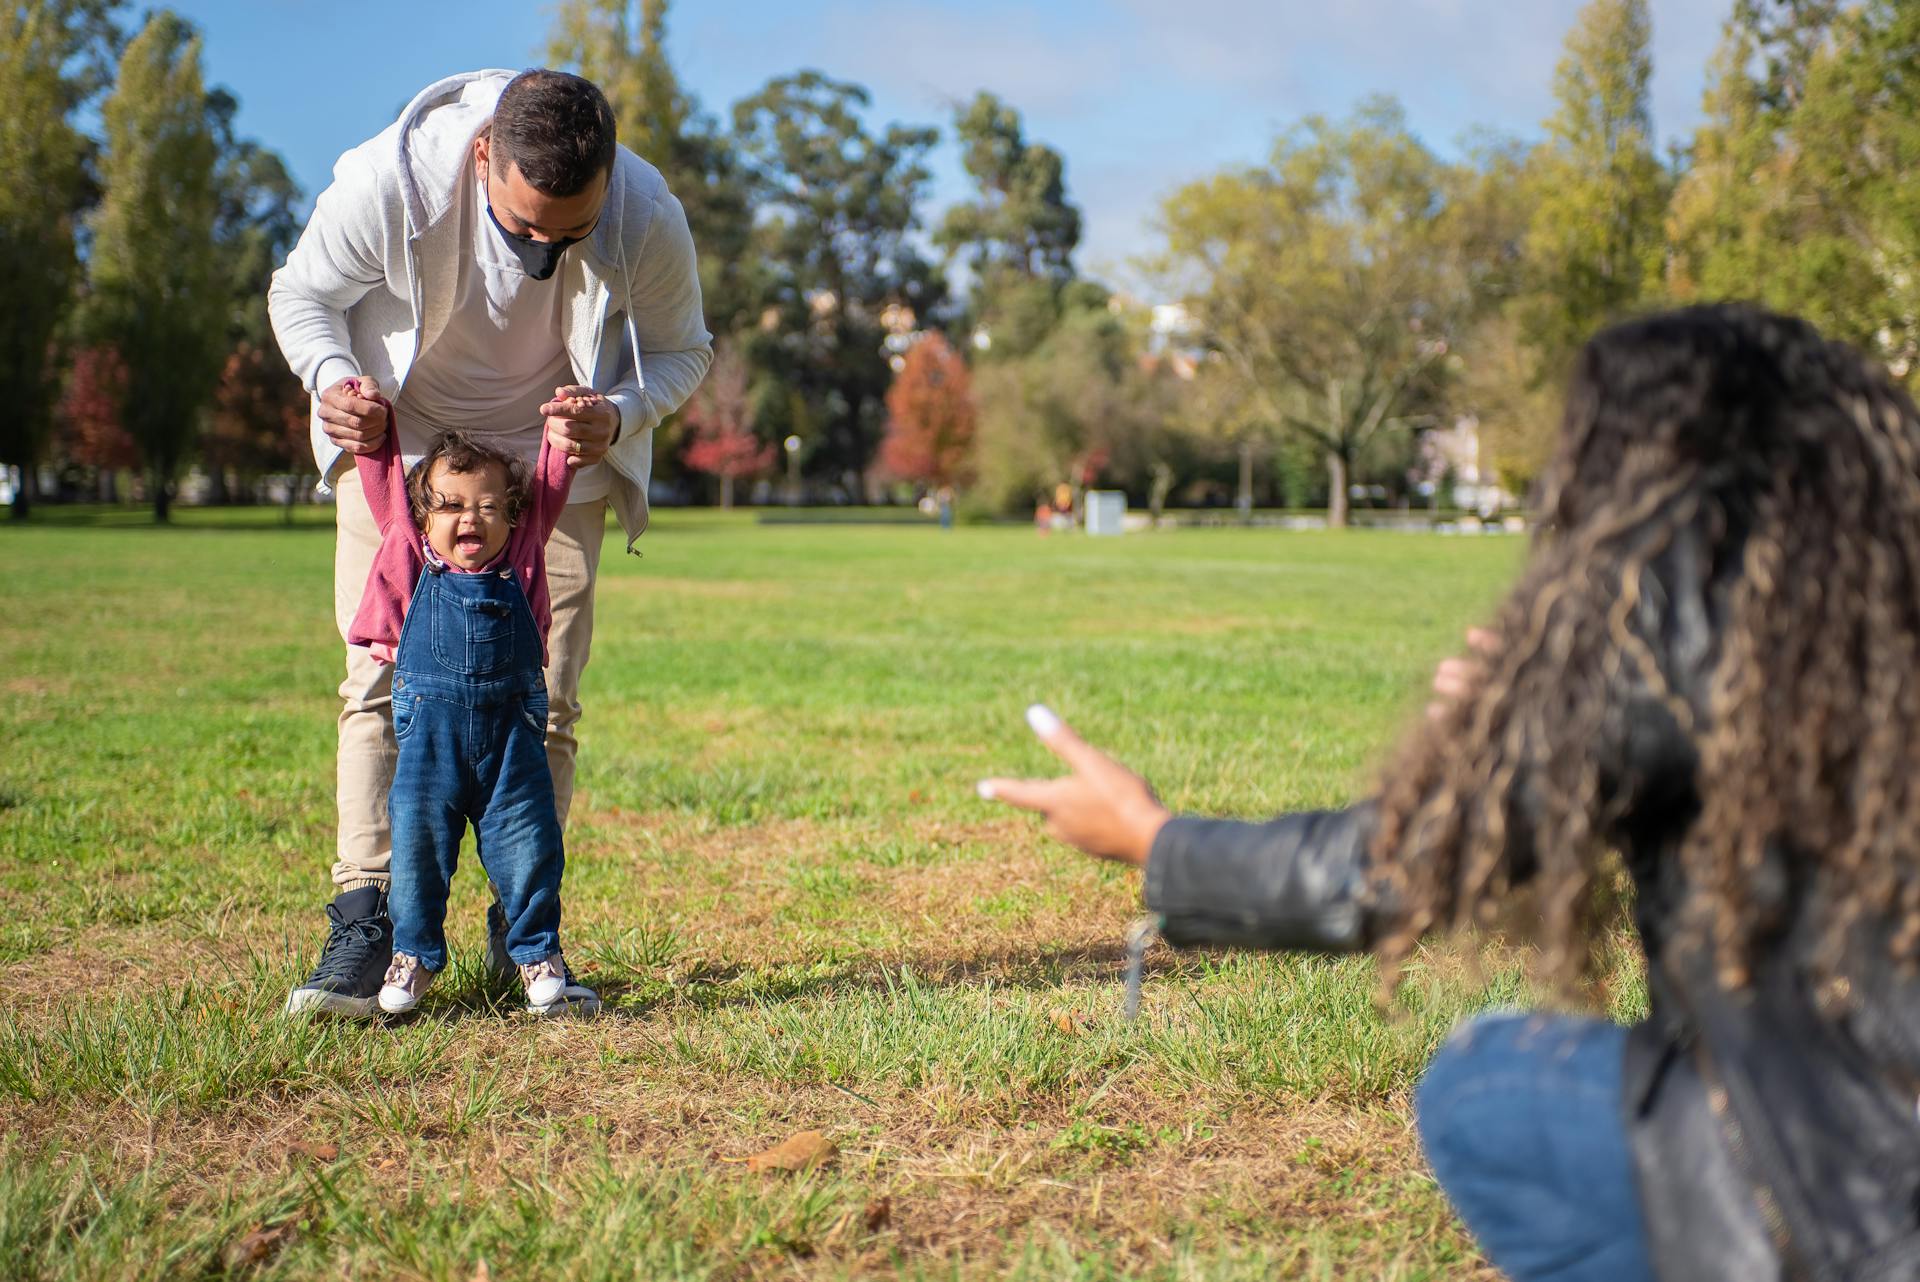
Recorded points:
985,790
1043,720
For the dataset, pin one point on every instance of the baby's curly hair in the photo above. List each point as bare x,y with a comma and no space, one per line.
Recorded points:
462,454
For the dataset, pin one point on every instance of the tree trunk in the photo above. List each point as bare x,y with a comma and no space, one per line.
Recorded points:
23,496
726,492
1243,500
1157,496
162,499
1336,491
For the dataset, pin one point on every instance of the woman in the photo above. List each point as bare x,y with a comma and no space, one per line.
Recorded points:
1711,664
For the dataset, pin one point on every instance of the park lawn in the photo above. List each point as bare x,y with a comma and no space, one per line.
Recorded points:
781,880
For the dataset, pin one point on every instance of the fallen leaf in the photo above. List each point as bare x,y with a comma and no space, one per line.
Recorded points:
1067,1022
328,1152
878,1212
258,1246
808,1148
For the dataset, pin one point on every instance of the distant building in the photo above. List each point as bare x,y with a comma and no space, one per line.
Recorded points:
1450,456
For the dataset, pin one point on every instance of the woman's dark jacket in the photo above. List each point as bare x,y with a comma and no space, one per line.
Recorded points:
1774,1130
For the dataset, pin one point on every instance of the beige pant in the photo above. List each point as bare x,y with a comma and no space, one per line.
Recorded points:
366,753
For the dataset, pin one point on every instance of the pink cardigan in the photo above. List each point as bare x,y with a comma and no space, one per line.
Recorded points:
402,555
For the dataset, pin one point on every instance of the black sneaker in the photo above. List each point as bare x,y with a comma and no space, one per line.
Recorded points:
354,962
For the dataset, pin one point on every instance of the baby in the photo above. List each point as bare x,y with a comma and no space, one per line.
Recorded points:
457,601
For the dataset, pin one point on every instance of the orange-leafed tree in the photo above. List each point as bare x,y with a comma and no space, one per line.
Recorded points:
930,416
719,419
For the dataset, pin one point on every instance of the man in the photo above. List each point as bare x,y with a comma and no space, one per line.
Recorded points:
487,260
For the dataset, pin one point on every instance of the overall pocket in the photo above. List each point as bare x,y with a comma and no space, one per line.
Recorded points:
480,641
534,709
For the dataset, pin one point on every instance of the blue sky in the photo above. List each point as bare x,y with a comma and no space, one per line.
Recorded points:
1139,95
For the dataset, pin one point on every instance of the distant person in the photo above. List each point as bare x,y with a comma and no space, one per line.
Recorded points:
496,263
1712,665
457,602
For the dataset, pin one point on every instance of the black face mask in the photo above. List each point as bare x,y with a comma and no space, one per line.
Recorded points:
538,258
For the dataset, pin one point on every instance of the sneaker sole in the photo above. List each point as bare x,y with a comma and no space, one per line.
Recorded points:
318,1001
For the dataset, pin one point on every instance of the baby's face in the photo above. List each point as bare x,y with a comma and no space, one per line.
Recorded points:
467,518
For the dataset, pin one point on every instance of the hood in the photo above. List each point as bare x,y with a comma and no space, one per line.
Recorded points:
436,131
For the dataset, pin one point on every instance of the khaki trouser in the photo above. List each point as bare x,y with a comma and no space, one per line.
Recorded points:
366,752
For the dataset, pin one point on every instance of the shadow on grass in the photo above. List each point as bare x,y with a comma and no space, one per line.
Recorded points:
709,986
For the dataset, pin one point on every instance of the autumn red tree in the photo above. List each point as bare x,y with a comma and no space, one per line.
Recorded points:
259,421
930,416
719,418
91,413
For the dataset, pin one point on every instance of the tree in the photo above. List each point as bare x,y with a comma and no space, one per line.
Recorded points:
45,73
1595,241
158,293
259,420
1799,192
93,432
1856,134
1331,281
1018,235
1078,408
930,416
257,424
621,46
1516,412
1499,379
837,206
720,439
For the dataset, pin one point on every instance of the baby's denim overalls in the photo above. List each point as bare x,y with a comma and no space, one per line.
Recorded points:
470,717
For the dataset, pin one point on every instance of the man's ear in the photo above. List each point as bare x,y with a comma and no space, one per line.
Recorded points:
482,144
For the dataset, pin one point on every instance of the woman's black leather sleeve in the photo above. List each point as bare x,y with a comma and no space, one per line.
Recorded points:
1299,881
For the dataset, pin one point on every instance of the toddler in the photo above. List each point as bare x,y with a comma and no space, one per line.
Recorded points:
457,601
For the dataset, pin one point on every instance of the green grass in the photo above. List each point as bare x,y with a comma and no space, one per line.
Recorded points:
780,878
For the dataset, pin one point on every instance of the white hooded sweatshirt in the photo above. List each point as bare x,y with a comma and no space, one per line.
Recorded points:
372,281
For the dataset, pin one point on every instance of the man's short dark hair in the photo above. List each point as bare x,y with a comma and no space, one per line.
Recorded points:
556,129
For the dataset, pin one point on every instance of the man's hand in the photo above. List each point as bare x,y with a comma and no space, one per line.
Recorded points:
1456,675
1102,807
350,418
581,422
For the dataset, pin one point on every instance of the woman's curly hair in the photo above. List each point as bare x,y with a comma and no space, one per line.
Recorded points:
1792,465
462,455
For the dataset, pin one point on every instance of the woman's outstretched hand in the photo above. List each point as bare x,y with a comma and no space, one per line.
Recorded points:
1102,807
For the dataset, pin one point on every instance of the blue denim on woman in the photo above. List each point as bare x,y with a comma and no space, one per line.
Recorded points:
470,717
1522,1119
